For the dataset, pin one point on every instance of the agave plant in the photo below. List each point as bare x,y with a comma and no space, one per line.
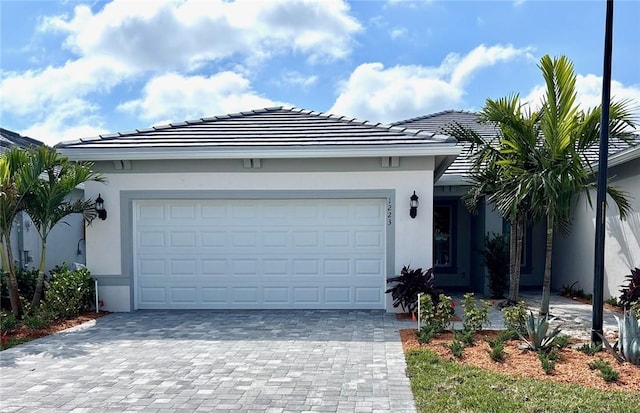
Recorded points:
628,346
538,336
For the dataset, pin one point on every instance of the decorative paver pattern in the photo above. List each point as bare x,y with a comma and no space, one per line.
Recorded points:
201,361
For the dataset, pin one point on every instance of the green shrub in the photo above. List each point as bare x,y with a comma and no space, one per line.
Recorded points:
465,336
606,371
562,341
515,318
26,286
7,321
70,293
40,317
507,335
456,348
496,259
612,301
497,349
590,349
475,316
425,334
548,365
439,315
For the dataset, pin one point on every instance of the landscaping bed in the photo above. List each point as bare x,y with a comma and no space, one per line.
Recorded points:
22,334
571,368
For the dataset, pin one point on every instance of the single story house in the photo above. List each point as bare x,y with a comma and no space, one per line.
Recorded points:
66,240
276,208
288,208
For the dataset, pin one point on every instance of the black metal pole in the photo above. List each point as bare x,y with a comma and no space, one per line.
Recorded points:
598,270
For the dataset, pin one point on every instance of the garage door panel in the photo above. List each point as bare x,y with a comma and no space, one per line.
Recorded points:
260,253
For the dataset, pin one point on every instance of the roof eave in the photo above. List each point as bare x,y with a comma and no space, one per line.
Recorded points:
624,156
105,154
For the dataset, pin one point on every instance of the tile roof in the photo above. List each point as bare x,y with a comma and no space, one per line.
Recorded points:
263,128
439,122
10,139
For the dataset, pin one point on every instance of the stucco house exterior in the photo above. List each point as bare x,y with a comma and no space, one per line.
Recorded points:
622,237
458,262
289,208
271,208
66,239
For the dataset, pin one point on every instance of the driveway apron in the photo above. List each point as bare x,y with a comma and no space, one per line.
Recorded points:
188,361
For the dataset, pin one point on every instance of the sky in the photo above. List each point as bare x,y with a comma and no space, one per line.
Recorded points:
72,69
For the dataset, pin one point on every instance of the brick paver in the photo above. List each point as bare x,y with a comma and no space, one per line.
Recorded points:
240,361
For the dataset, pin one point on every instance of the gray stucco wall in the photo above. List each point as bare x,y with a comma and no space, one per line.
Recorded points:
574,254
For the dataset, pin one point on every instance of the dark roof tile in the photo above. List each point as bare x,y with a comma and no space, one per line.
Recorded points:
441,121
268,127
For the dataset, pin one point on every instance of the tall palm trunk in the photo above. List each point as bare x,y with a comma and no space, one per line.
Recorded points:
10,274
546,283
515,252
37,295
513,294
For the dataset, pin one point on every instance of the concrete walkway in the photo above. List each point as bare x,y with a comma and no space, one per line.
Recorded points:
251,361
573,317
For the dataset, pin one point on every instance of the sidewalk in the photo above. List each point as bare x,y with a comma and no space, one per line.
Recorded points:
573,317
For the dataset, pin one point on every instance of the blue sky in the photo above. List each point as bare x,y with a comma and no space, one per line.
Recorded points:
72,69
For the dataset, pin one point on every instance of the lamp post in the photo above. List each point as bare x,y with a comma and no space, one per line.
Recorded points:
601,206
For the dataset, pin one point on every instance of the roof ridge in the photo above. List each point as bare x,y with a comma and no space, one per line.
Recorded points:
290,109
433,115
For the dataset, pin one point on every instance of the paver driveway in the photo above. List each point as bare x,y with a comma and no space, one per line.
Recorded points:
273,361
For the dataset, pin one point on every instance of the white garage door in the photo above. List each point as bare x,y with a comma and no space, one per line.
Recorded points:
269,253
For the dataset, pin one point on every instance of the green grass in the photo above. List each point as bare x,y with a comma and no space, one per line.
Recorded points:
446,386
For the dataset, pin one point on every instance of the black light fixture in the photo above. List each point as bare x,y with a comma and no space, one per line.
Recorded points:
413,210
102,213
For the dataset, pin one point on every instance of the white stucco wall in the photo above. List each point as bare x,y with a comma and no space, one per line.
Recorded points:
413,242
574,255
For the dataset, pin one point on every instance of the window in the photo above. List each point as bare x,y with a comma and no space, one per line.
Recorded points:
444,227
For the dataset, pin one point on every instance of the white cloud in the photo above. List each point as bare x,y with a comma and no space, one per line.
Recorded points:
384,95
398,33
174,97
69,120
41,90
128,40
185,34
589,93
297,79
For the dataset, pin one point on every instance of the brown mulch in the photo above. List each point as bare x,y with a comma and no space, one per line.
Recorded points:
571,368
24,332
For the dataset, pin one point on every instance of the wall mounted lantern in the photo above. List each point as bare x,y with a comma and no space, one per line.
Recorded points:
102,213
413,203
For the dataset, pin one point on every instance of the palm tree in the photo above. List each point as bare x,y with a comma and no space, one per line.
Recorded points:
490,177
13,185
562,170
47,202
